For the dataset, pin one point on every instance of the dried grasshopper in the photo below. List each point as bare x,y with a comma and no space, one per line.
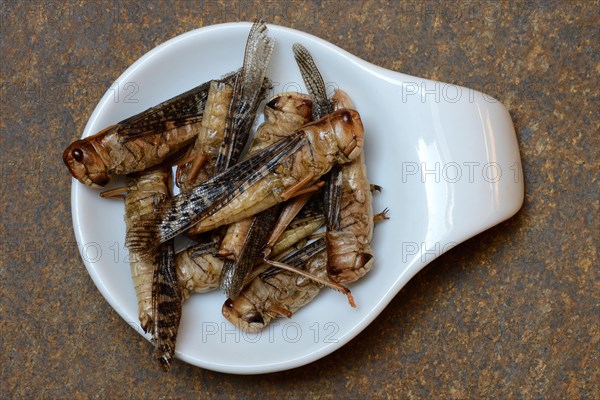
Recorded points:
229,113
275,294
348,199
344,257
143,192
349,235
284,114
278,173
247,95
349,252
157,291
321,107
141,141
334,140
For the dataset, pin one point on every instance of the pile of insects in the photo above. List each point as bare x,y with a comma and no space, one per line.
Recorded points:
270,227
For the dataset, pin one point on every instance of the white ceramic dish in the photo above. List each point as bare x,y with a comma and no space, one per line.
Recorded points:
446,156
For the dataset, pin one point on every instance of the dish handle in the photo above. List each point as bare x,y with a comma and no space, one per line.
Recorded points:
466,168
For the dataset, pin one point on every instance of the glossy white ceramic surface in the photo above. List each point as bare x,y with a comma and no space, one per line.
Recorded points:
446,156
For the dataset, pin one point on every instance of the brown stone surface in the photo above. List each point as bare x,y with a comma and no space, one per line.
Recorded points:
511,313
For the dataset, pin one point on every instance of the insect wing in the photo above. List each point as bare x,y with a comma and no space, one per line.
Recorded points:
184,109
166,305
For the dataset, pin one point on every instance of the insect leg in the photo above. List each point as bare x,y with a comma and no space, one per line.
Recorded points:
289,212
333,285
294,189
116,192
382,215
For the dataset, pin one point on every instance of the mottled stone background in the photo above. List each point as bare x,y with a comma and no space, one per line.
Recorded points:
511,313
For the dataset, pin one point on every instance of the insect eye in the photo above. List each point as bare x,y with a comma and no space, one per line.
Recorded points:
77,154
102,182
273,103
346,117
254,317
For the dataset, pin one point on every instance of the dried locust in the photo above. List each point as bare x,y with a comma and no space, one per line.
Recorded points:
142,194
348,199
157,290
229,113
349,251
141,141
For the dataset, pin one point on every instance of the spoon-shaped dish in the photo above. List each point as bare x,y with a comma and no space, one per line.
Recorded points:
446,156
